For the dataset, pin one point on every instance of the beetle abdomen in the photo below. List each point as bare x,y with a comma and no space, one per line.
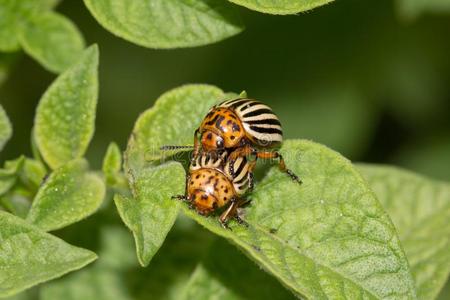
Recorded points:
261,124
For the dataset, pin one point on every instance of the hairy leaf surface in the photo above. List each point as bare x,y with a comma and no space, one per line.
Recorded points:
29,256
69,194
167,23
65,116
53,40
327,238
420,210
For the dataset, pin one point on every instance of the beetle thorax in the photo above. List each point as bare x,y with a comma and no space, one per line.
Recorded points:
221,128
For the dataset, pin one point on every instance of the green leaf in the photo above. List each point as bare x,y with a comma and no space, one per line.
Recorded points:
151,213
29,256
171,121
69,194
167,23
281,7
9,174
420,210
411,9
5,128
112,163
104,279
117,275
12,14
65,116
32,173
221,273
327,238
53,40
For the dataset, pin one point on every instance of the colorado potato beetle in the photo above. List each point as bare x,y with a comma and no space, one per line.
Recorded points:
209,185
243,127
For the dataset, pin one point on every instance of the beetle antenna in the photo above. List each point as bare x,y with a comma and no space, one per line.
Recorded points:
175,147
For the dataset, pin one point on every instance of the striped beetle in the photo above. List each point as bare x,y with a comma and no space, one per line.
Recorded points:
210,186
244,127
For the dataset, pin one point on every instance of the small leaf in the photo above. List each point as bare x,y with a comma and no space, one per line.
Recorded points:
116,274
102,280
220,275
167,23
9,174
281,7
16,201
53,40
420,210
5,128
70,194
29,256
411,9
32,173
12,14
112,163
65,116
326,237
151,213
171,121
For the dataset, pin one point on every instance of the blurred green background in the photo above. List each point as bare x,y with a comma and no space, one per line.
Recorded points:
353,75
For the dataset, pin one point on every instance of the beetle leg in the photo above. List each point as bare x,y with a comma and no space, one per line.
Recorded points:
243,151
228,213
251,168
232,212
180,197
281,163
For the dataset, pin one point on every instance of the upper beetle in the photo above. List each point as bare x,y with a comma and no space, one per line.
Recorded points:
243,127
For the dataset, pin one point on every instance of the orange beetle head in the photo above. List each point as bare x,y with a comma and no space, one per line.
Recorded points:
211,141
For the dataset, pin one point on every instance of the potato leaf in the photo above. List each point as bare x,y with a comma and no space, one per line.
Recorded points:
69,194
112,163
65,116
151,213
411,9
281,7
5,128
167,23
53,40
420,210
29,256
327,238
226,273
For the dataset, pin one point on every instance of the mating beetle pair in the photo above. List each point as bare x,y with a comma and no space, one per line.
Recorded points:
220,173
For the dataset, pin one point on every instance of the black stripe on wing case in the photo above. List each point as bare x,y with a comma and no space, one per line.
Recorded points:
257,112
266,130
264,121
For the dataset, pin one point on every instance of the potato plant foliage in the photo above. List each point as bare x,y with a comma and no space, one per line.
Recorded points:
350,231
